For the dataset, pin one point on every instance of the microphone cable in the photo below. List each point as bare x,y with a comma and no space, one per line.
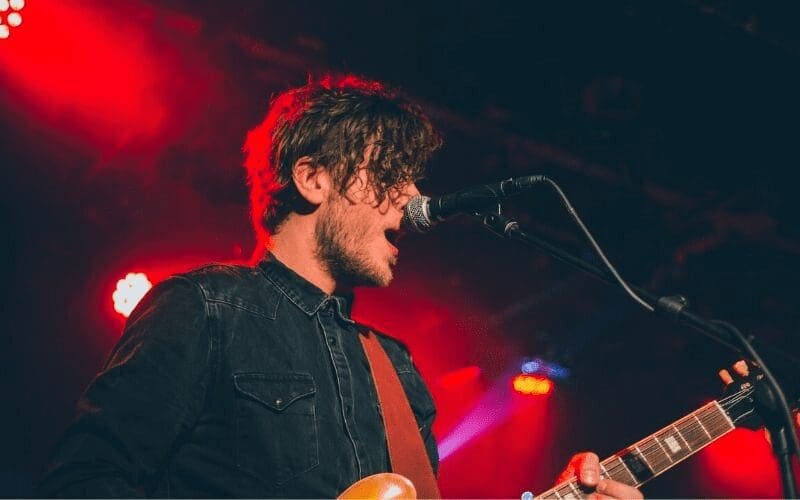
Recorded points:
574,214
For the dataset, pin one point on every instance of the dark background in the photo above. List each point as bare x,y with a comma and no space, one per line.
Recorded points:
670,125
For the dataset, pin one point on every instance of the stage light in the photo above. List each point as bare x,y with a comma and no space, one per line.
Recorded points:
546,368
129,292
14,19
530,385
4,5
4,32
458,378
16,4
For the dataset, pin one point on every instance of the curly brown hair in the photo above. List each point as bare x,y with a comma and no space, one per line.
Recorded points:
332,120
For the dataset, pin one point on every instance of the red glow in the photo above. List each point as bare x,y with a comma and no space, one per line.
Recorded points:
528,384
125,83
457,378
739,464
129,292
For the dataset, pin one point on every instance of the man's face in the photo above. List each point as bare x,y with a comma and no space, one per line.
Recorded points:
353,233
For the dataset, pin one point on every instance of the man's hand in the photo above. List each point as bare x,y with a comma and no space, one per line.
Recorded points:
586,466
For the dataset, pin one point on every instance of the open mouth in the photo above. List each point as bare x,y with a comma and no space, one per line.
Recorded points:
392,236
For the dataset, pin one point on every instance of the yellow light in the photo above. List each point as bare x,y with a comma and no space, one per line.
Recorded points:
528,384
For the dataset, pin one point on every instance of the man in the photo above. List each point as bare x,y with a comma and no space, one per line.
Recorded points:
253,382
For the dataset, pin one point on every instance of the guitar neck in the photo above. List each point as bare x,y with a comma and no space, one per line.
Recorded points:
642,461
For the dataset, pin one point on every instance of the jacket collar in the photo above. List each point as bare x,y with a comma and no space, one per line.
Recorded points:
301,292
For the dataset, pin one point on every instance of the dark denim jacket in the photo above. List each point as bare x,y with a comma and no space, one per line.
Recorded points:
233,382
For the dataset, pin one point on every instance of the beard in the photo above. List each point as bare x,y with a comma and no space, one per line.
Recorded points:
342,249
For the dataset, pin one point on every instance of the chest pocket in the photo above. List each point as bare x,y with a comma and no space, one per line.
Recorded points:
276,428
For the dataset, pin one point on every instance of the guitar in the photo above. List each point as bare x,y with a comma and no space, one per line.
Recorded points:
634,465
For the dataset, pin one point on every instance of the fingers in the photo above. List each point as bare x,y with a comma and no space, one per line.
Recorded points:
608,488
589,469
570,470
586,466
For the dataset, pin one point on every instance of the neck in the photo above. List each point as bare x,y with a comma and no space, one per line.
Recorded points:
295,246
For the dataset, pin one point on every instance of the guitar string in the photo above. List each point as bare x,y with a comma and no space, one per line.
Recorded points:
711,410
710,419
616,469
615,464
718,425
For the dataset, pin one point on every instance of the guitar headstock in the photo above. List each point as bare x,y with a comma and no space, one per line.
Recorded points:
751,402
739,400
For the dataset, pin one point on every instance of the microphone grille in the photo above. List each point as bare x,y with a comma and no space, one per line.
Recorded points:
416,216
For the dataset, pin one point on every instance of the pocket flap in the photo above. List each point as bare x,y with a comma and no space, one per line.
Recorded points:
275,390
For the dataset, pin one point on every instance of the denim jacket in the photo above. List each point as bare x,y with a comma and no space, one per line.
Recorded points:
234,382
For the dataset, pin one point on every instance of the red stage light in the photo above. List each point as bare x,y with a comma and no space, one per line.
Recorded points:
4,31
528,384
16,4
129,292
14,19
457,378
4,5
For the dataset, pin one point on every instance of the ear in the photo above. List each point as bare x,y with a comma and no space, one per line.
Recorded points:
312,182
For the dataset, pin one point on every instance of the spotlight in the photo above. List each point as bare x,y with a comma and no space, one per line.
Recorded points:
4,5
14,19
15,4
4,32
530,385
542,367
129,292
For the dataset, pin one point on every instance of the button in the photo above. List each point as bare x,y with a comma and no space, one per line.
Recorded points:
279,401
332,341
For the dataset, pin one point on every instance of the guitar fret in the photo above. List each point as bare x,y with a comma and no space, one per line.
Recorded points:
655,455
604,471
678,432
655,438
615,472
633,480
658,452
716,421
702,426
575,489
673,444
647,462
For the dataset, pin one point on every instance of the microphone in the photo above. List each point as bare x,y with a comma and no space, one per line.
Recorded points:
422,212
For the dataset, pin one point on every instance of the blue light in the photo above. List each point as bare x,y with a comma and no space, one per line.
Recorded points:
549,369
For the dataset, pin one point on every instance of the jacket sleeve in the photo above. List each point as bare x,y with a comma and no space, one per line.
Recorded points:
149,393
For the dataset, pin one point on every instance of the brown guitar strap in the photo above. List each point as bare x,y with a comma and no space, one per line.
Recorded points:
406,449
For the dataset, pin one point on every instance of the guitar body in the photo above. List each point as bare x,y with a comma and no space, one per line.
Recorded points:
384,486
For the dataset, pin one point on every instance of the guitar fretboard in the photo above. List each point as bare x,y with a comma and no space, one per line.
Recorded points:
656,453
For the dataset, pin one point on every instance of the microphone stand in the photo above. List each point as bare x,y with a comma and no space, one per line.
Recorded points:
772,402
